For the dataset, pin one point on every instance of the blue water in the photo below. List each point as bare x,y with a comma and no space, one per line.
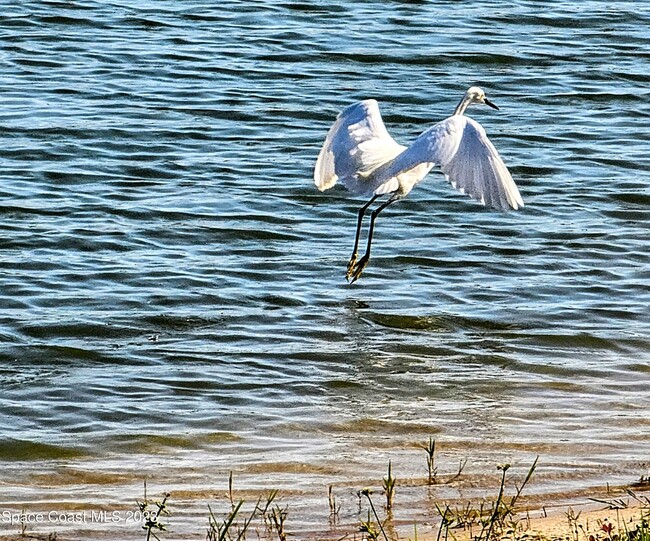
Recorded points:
173,302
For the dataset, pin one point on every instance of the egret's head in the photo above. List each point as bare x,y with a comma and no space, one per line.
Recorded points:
475,94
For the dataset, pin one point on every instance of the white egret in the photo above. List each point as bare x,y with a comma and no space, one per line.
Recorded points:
359,153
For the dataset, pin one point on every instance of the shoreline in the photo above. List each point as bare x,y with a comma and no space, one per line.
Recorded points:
576,516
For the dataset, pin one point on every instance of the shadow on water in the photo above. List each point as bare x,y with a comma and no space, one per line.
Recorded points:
438,323
461,339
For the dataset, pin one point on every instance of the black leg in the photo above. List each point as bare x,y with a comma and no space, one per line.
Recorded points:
355,272
355,254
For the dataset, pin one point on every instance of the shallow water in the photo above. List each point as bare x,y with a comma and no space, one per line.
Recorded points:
172,296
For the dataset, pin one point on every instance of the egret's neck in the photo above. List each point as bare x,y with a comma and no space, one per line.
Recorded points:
463,104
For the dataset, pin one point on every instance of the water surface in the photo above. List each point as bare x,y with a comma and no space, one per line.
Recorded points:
172,295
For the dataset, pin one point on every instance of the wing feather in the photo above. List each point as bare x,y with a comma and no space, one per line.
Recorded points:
356,144
469,161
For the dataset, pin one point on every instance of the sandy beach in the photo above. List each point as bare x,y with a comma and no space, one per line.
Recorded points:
607,515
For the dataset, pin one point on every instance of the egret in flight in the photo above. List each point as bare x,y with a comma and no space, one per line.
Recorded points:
359,153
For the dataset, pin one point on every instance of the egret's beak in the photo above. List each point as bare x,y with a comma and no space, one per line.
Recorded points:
488,102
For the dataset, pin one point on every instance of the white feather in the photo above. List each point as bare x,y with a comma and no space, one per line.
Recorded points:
355,146
359,152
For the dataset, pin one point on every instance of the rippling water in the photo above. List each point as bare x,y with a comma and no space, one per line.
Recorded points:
172,298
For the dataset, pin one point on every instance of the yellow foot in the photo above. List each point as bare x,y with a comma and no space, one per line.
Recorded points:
351,265
357,269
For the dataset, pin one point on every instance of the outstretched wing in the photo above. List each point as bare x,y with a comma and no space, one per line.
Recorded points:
462,150
356,145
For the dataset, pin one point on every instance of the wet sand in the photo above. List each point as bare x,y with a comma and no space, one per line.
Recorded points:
567,516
